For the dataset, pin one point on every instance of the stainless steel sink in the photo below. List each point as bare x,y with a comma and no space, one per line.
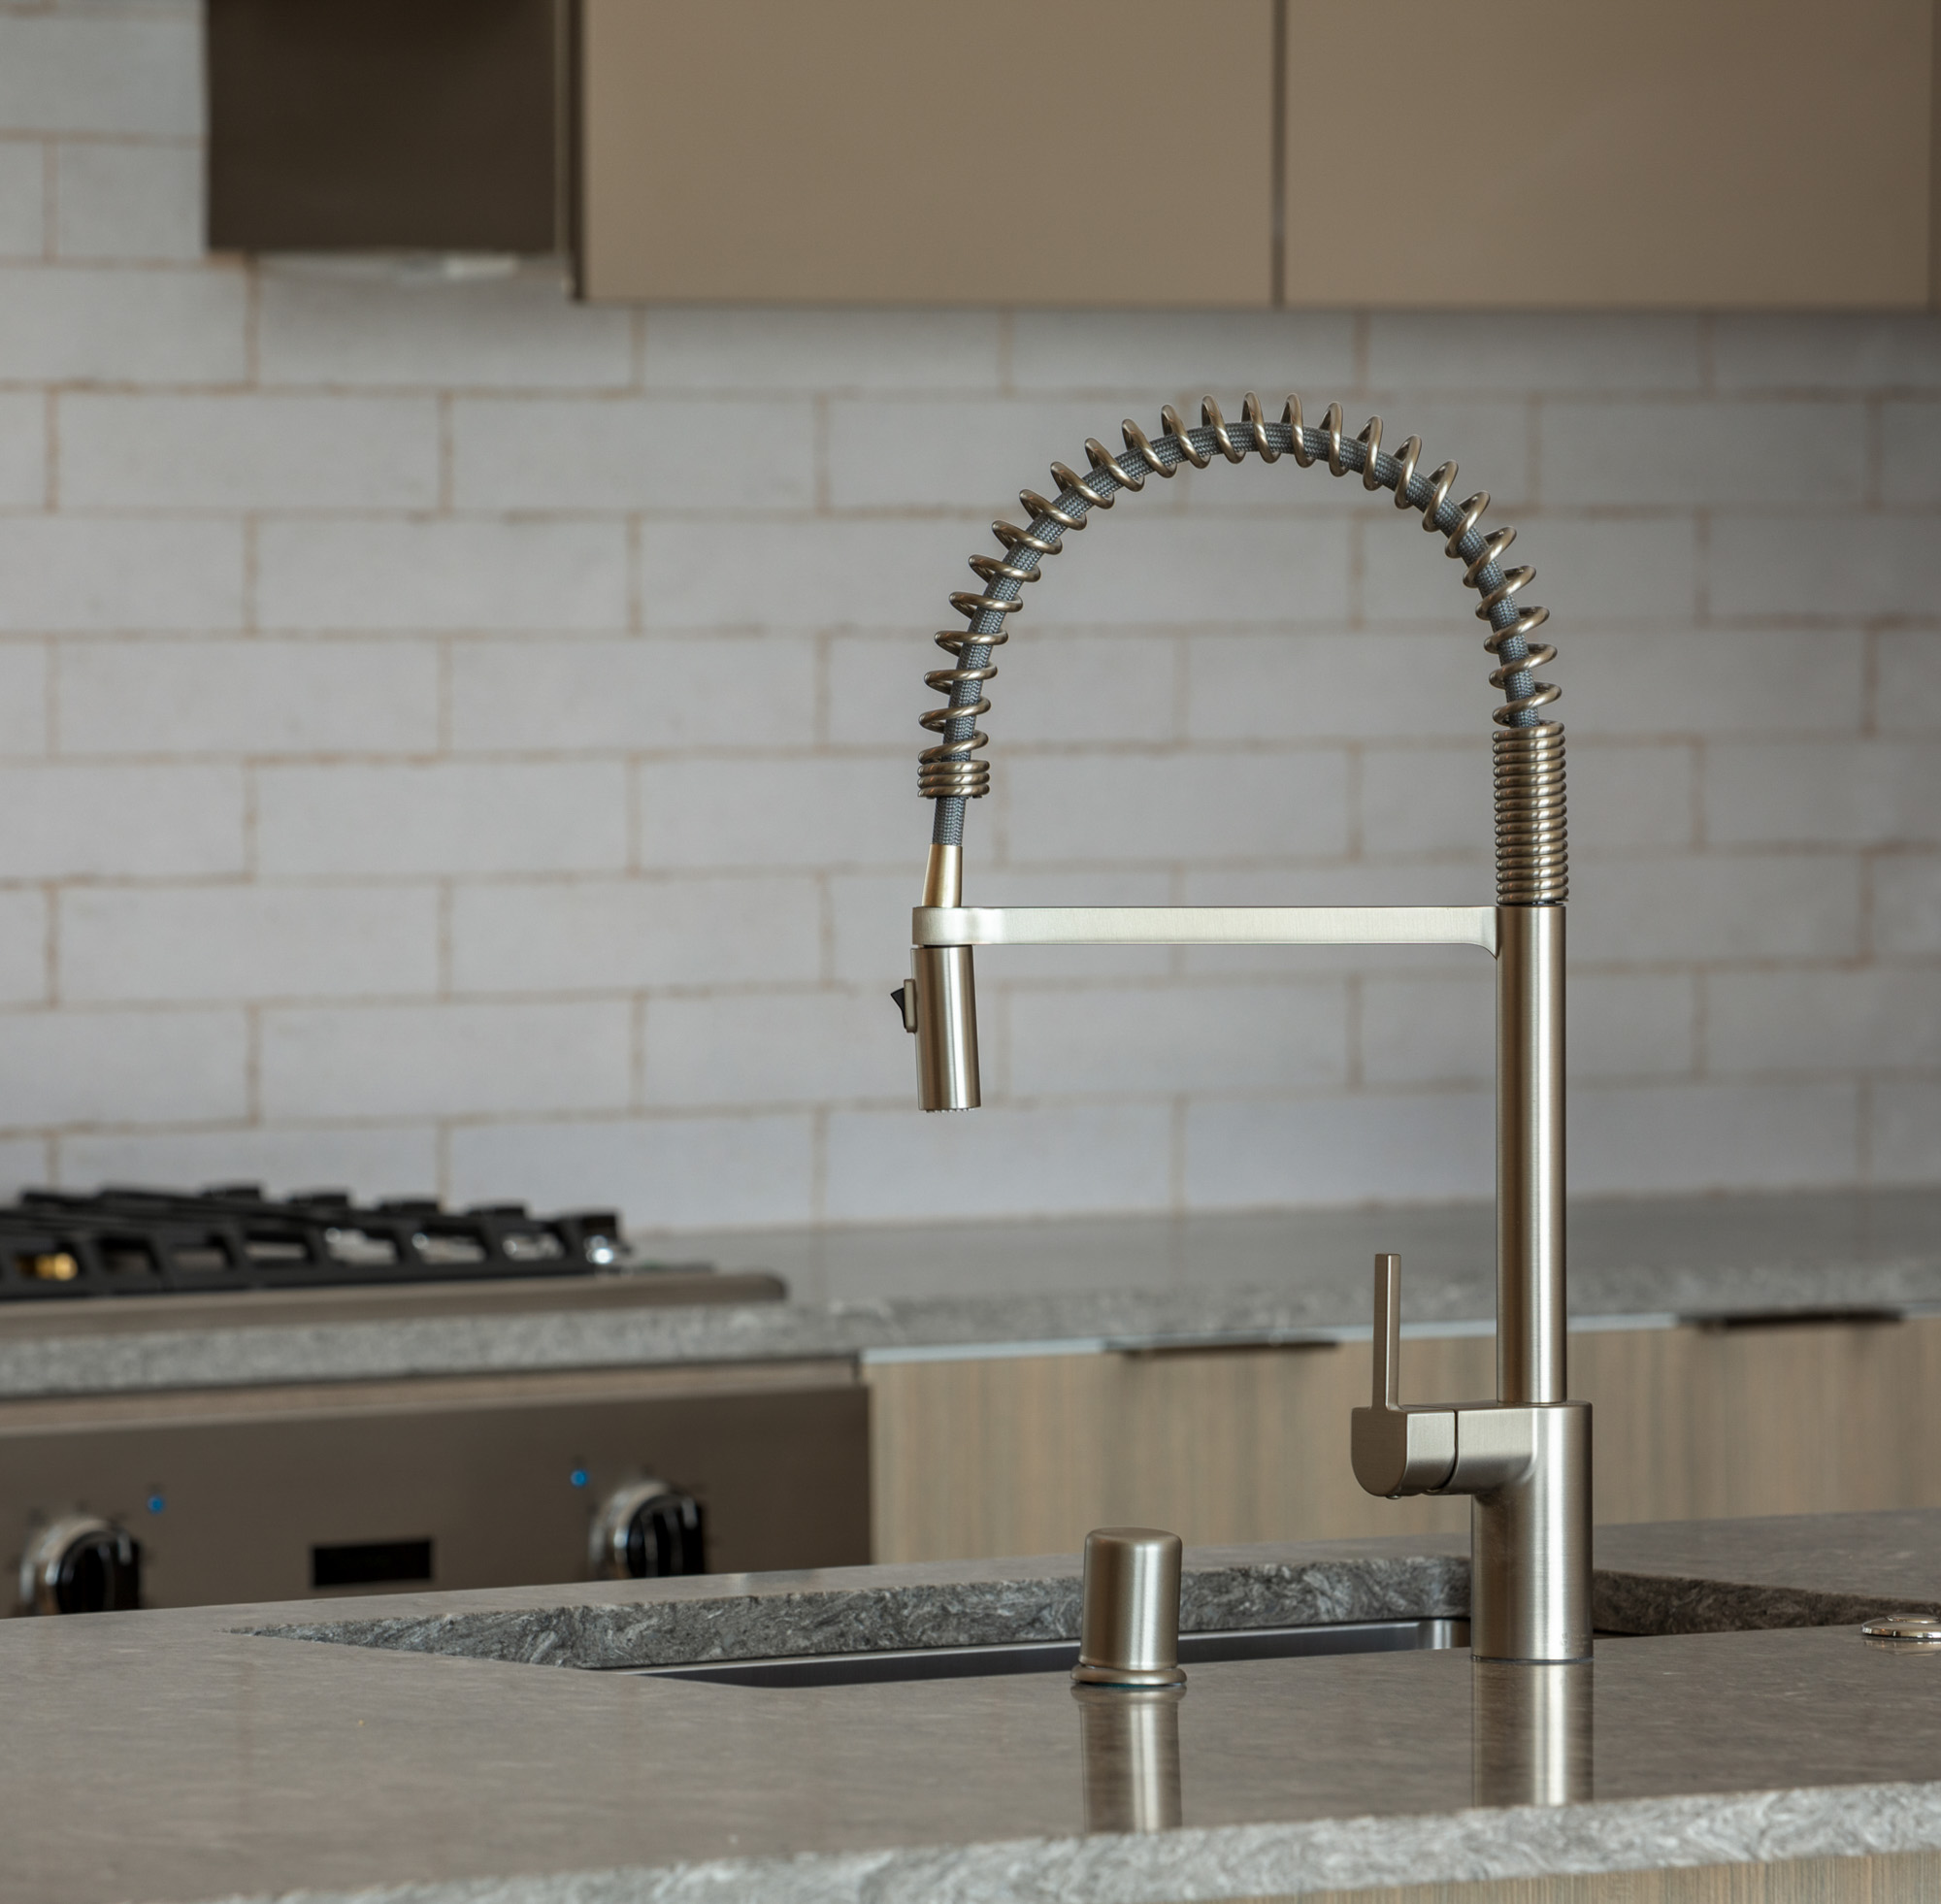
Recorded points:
1061,1655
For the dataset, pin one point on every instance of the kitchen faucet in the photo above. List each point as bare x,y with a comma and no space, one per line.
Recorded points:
1523,1458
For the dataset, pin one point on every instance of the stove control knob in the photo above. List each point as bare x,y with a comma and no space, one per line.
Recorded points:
648,1530
82,1564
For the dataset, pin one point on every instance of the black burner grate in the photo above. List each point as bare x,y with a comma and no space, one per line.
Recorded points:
56,1244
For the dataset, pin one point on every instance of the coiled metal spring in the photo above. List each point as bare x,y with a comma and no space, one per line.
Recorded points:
1530,750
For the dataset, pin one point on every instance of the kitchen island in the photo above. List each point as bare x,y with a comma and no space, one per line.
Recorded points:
412,1750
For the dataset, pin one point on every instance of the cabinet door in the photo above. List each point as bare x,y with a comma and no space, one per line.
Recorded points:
1668,153
992,151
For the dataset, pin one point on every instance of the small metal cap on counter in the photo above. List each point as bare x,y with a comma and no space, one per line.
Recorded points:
1905,1629
1130,1631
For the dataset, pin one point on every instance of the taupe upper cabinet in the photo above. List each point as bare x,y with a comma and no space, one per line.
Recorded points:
1505,152
1668,153
979,151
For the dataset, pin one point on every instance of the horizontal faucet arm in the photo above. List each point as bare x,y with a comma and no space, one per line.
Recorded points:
1206,925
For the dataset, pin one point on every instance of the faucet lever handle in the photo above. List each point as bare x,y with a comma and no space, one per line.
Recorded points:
1387,1331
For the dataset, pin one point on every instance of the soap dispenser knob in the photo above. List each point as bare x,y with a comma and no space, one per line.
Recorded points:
1130,1626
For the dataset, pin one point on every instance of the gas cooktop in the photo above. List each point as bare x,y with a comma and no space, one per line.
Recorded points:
60,1244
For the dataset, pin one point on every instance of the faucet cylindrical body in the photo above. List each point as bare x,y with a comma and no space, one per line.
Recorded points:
946,1028
1530,1566
1530,1305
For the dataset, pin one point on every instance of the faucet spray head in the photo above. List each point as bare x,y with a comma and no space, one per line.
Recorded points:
943,999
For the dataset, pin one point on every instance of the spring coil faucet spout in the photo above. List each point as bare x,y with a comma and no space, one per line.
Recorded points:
1524,1459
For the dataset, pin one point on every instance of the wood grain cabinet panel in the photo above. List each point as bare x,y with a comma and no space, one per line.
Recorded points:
1665,152
1022,1454
995,152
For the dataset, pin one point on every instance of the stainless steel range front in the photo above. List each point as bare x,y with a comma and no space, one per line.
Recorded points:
140,1493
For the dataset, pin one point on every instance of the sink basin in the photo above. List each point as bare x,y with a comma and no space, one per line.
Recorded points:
1061,1655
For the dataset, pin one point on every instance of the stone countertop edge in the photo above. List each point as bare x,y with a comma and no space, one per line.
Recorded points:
776,1616
1184,1865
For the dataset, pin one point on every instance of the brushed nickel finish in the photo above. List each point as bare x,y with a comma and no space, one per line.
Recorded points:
946,1026
1530,1317
1904,1629
1129,1634
1524,1459
1531,1733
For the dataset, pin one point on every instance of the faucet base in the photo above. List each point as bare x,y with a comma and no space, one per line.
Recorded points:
1530,1548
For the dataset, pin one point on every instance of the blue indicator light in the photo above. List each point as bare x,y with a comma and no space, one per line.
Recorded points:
156,1504
579,1477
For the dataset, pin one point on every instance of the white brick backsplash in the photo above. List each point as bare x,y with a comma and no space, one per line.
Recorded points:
247,698
24,947
1289,684
1631,1025
23,697
367,322
83,573
248,452
397,1159
1383,1147
420,575
1512,351
803,812
450,818
1619,569
776,1049
456,738
1642,681
610,454
1907,903
613,935
1627,1138
703,572
890,1164
1907,680
1715,906
629,695
135,202
108,324
1155,1041
23,197
1911,452
1183,806
1904,1132
1055,685
227,942
23,450
1677,450
674,1174
73,1067
1631,798
1795,566
1822,1021
78,821
1823,792
455,1060
1184,355
966,453
1777,351
67,72
1428,1031
748,347
1418,802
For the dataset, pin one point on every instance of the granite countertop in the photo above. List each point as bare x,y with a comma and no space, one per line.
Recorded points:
196,1755
1073,1285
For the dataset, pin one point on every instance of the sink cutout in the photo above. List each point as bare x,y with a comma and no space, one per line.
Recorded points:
1061,1655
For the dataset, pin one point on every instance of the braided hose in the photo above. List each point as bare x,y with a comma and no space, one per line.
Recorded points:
1532,859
